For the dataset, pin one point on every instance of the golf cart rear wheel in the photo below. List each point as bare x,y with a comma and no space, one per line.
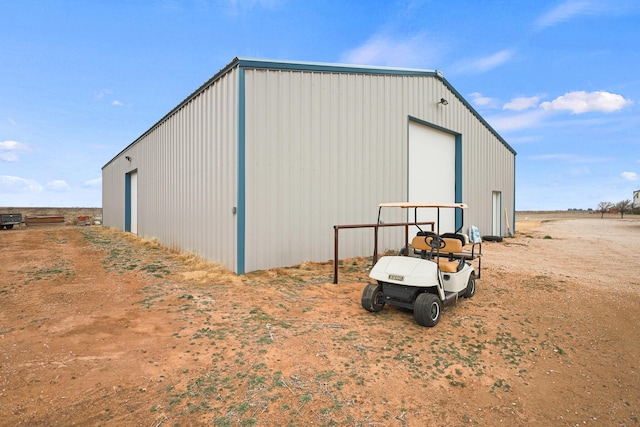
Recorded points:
427,309
372,297
471,286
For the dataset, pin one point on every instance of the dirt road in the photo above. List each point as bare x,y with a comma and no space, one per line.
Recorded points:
101,328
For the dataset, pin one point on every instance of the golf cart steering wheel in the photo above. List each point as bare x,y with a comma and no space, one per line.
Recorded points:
436,242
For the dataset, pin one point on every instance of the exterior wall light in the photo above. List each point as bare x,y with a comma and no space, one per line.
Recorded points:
443,101
128,158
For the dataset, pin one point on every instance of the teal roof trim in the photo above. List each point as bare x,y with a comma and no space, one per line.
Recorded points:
262,64
477,115
265,64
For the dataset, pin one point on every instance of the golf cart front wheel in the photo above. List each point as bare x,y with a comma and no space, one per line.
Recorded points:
471,286
372,297
427,309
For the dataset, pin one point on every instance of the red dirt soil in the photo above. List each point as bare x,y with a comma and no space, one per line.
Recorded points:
102,328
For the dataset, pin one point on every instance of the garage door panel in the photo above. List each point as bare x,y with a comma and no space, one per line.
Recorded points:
432,172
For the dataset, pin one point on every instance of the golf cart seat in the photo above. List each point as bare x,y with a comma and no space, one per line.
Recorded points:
422,250
464,239
445,259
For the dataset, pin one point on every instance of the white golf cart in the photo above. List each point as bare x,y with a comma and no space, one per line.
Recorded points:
434,270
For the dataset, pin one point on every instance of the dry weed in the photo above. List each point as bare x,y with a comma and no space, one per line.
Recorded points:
201,271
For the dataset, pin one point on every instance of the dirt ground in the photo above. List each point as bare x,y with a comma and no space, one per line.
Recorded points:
102,328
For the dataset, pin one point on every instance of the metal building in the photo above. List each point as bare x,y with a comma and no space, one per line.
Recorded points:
256,166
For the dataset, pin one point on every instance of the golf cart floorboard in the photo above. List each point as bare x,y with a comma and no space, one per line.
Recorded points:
450,297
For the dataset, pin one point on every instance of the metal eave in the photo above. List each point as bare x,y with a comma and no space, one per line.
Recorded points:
195,93
476,114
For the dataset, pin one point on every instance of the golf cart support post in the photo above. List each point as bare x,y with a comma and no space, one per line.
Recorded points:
337,228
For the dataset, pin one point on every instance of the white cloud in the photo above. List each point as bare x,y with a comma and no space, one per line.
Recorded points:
93,183
13,145
58,185
573,8
582,102
630,176
8,156
482,101
486,63
525,112
414,51
15,184
9,150
107,94
504,123
522,103
102,93
523,139
564,12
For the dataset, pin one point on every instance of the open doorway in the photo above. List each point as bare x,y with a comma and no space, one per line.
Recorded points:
131,202
496,222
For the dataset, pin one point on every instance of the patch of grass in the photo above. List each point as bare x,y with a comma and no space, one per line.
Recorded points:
546,283
126,252
55,237
156,269
559,350
307,397
47,272
257,315
222,422
508,347
500,384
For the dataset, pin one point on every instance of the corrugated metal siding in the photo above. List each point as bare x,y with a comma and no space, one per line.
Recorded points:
113,193
187,176
325,148
322,148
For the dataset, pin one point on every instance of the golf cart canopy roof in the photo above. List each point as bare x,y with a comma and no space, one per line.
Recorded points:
422,205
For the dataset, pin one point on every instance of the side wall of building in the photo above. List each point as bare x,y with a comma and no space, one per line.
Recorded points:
324,148
256,167
187,176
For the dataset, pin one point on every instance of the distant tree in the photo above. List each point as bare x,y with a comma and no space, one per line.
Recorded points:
603,208
623,206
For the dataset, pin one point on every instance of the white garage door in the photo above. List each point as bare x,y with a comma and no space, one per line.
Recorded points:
432,172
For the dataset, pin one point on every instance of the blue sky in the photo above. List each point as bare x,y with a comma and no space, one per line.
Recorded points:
559,80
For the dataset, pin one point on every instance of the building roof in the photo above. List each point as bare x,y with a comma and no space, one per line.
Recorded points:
268,64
